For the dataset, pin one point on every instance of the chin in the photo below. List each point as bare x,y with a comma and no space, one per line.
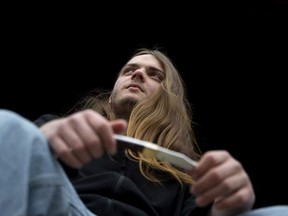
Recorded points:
130,99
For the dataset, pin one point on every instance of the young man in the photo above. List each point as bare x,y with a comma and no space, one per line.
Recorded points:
148,102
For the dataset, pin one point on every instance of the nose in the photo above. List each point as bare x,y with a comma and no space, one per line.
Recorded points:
138,74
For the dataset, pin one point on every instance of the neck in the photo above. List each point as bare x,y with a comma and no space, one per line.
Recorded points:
123,112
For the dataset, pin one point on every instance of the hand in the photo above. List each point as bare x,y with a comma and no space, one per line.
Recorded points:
80,137
221,180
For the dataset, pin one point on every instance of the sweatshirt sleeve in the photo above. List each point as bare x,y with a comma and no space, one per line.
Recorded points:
190,208
44,119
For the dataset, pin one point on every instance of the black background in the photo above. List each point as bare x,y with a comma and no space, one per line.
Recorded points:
232,56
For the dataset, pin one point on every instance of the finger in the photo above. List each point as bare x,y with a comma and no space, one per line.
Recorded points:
243,199
214,177
208,160
103,129
62,152
226,189
73,139
118,125
89,141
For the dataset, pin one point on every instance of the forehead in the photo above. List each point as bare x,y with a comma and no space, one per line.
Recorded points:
146,61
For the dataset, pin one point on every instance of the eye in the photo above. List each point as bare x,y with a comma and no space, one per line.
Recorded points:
128,70
156,75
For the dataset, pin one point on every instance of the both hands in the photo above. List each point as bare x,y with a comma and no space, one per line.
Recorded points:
219,178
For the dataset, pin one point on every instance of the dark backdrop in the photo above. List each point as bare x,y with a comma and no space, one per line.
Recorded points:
232,56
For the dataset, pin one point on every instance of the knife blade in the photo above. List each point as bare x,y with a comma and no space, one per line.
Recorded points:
151,150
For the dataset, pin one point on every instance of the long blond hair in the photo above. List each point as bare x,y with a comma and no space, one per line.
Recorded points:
164,118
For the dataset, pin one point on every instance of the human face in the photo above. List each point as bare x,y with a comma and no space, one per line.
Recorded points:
137,80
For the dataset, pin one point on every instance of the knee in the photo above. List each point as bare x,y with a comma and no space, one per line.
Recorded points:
12,119
13,124
9,115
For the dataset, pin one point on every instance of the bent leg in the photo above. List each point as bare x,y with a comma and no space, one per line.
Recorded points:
32,182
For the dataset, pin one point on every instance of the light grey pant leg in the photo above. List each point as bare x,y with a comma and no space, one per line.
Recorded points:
277,210
31,180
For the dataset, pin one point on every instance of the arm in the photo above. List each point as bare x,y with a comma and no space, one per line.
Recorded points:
222,182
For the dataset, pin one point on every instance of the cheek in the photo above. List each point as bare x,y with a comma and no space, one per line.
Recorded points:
118,84
153,88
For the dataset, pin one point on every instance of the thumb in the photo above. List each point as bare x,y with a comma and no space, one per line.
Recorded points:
118,125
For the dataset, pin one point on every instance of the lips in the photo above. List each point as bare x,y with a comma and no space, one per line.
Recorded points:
135,85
